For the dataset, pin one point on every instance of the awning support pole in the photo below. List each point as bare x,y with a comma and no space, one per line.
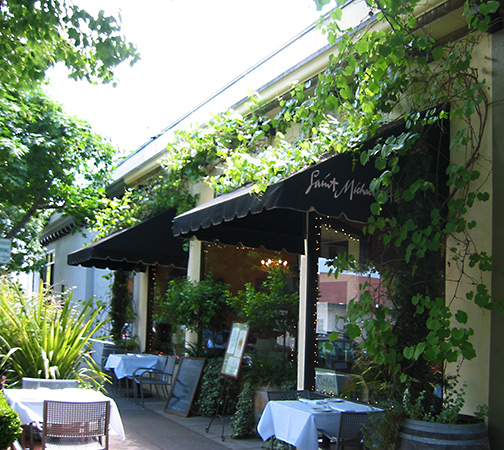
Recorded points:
312,251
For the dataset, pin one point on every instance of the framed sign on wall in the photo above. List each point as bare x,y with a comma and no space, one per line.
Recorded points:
235,349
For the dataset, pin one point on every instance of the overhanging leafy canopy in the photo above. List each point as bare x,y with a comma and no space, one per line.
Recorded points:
49,163
36,34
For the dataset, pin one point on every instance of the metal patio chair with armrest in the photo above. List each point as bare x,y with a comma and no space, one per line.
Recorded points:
350,431
161,375
76,425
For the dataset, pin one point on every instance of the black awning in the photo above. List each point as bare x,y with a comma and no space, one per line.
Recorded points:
150,242
336,187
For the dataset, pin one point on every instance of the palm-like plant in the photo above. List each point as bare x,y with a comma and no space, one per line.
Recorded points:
48,338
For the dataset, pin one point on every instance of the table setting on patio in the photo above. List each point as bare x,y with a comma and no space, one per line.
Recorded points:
299,422
29,404
125,364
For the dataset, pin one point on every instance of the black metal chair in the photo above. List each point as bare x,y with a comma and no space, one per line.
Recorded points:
350,430
161,375
282,395
75,425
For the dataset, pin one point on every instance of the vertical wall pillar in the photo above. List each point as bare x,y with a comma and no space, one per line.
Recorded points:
140,293
301,340
194,274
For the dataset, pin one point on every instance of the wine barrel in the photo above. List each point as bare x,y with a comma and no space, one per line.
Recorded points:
420,435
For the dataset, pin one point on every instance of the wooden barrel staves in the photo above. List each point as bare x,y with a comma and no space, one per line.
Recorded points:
419,435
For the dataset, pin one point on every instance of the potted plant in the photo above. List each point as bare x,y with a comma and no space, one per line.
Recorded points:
121,312
271,310
198,306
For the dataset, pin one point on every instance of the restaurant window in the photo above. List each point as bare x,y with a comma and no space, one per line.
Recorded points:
335,360
47,273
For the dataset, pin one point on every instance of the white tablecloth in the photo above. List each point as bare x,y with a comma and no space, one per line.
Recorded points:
297,421
29,404
124,364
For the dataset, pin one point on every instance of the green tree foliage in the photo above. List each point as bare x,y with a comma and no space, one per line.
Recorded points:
49,163
36,35
196,305
121,312
271,310
43,337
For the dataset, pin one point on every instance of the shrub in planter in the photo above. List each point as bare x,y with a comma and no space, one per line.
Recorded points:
196,305
243,421
210,391
10,425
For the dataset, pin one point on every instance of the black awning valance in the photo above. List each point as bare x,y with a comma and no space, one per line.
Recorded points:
338,186
150,242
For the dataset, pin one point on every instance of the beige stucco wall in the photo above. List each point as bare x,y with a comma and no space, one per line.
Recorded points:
496,356
475,373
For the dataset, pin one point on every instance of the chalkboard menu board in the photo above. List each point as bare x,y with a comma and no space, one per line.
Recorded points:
182,395
235,349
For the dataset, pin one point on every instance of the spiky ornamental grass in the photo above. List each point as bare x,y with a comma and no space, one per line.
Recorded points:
46,337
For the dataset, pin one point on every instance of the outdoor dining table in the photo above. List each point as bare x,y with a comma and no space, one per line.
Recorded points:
125,364
29,404
297,422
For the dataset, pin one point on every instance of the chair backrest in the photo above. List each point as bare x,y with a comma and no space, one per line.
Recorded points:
161,362
76,420
35,383
108,350
169,367
311,395
282,395
352,424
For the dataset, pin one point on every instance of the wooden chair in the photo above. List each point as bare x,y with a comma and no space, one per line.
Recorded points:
161,375
35,383
350,430
75,425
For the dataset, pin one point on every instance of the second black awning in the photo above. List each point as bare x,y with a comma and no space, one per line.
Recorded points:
150,242
276,219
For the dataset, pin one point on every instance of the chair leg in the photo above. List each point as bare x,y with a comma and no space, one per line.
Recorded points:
142,395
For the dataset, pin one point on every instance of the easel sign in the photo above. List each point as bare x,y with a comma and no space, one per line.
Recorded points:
235,349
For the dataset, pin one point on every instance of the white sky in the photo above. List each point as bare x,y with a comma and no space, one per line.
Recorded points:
189,50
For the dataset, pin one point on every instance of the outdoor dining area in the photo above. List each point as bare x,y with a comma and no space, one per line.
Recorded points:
68,415
63,413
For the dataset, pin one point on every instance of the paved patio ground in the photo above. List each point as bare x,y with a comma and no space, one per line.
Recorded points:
153,429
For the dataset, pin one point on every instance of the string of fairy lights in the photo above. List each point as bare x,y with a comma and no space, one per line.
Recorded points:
151,301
